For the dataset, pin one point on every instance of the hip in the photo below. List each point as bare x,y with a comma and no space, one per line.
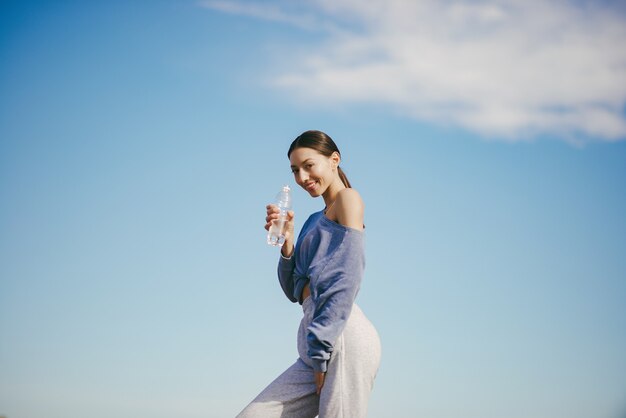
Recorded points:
359,337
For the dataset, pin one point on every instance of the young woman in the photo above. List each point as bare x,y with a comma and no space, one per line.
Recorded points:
339,349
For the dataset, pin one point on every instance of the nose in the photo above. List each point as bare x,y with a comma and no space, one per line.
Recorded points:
301,176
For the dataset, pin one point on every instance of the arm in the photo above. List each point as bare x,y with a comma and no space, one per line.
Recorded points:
338,281
287,262
349,209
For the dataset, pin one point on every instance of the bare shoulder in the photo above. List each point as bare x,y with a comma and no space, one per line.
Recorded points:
350,197
350,208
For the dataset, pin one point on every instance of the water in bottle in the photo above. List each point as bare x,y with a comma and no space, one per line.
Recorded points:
276,234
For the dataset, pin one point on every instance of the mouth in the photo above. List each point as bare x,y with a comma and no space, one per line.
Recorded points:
310,186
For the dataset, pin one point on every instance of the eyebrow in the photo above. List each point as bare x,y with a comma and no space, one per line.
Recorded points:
303,162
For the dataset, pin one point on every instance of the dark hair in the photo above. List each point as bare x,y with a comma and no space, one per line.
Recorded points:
321,143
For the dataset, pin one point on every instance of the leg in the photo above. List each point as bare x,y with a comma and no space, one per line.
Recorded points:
290,395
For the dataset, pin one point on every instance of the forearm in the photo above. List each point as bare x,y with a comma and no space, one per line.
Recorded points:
287,249
286,266
328,323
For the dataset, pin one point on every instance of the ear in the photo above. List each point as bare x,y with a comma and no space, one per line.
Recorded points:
335,159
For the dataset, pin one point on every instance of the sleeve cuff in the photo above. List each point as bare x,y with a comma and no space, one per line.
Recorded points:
320,365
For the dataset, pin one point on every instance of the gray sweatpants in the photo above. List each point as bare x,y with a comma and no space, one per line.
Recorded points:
349,380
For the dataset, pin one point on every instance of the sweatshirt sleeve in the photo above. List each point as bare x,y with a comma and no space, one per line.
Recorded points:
335,288
286,268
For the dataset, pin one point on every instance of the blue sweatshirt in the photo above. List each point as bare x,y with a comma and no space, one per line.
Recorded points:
331,257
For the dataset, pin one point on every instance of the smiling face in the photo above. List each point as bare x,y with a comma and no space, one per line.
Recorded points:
313,171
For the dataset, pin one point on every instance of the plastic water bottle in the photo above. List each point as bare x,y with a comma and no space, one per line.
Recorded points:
276,234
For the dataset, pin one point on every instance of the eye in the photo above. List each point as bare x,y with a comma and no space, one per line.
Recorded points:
294,170
309,165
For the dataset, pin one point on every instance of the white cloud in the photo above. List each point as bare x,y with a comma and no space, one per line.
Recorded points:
508,69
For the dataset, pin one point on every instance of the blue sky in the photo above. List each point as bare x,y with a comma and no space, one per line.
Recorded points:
140,142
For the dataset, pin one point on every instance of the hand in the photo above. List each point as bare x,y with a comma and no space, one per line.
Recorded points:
272,214
319,381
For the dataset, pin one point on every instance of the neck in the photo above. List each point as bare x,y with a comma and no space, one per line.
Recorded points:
331,192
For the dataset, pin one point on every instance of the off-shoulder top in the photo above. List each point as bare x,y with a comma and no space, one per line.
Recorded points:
331,257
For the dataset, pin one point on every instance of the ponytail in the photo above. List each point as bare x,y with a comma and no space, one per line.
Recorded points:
343,178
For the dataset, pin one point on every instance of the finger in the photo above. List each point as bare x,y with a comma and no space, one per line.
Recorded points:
271,217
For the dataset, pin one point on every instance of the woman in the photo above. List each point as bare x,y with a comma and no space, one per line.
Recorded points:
339,349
